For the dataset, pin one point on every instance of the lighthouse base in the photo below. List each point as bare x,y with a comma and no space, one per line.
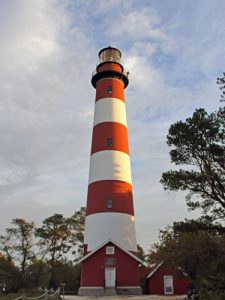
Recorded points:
100,291
91,291
129,290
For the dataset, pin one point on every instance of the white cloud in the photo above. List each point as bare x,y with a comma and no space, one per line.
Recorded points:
140,23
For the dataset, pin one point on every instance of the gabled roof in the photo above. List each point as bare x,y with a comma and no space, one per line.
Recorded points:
154,270
158,266
117,245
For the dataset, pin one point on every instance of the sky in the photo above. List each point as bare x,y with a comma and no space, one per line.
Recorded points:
173,50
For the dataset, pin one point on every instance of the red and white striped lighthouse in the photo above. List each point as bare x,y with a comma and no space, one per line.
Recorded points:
110,259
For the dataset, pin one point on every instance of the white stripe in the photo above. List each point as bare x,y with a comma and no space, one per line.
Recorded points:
110,110
110,165
118,227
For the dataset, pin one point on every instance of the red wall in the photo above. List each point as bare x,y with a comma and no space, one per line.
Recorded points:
93,269
156,282
117,89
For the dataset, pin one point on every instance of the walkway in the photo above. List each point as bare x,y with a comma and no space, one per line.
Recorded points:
145,297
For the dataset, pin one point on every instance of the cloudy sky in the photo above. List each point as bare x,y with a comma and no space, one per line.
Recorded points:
174,51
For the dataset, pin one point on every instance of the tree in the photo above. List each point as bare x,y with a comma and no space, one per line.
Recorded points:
10,276
59,239
77,222
221,83
141,253
198,253
199,145
37,274
18,243
69,274
54,237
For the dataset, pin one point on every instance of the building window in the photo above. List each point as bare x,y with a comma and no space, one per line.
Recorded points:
109,142
109,203
110,261
109,89
110,250
168,285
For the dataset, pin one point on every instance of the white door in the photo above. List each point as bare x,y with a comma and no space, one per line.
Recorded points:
110,277
168,285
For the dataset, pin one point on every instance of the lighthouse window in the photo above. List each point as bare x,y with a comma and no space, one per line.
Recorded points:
109,203
109,90
109,142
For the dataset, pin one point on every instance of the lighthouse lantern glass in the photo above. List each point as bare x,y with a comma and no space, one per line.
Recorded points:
110,54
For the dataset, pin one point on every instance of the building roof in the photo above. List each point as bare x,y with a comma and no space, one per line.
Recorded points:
117,245
154,270
158,266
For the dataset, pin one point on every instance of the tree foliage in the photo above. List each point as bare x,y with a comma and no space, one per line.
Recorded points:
199,253
54,235
10,275
197,246
45,255
141,253
221,83
77,223
18,242
37,274
199,145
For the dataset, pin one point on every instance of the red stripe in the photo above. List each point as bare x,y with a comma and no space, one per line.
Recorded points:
117,89
116,131
118,191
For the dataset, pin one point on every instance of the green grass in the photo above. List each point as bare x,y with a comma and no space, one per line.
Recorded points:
10,296
27,293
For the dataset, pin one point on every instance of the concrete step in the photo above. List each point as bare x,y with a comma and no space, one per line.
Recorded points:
110,291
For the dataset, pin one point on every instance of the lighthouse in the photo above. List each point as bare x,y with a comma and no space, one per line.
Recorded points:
110,263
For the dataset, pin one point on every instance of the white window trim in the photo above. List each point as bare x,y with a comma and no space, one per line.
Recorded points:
165,292
110,250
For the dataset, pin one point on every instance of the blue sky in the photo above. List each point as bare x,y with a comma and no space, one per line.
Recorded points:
174,51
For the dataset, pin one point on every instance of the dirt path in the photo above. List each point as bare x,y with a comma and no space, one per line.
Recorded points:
146,297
